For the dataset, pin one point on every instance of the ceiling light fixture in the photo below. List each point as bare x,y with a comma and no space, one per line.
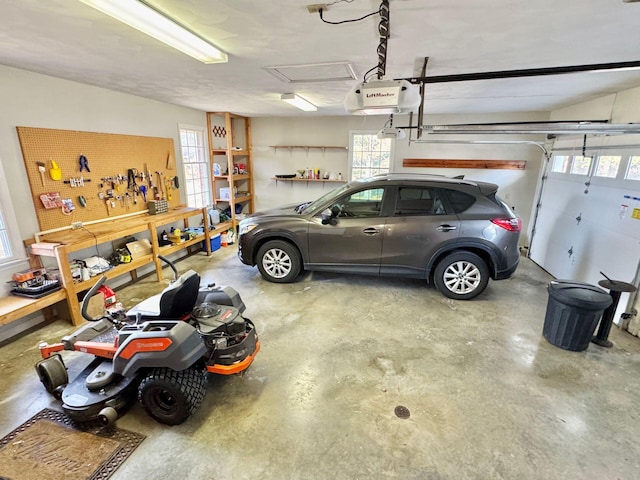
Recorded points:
298,102
143,17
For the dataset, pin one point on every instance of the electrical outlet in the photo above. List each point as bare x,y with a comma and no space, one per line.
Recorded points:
316,7
76,225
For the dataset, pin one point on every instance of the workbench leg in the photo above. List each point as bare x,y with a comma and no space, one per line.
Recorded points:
207,232
155,249
69,286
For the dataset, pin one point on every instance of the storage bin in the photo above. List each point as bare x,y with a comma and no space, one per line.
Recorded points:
215,243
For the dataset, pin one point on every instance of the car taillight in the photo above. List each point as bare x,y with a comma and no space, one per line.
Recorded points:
511,224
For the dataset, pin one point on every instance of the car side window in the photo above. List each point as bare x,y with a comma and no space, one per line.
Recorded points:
418,201
365,203
460,201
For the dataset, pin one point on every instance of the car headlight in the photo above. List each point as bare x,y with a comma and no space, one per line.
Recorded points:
246,228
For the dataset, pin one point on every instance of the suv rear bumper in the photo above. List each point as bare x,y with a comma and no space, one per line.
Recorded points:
503,274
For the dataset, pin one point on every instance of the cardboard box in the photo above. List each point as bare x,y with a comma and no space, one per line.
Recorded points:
139,248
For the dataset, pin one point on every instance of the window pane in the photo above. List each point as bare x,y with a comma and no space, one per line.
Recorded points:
608,166
580,165
560,164
196,168
370,156
633,173
5,247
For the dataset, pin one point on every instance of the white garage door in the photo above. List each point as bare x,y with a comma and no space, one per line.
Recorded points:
589,217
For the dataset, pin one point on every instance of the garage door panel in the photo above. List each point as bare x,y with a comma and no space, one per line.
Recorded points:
606,238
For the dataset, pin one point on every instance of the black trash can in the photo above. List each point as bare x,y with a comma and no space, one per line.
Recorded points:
573,312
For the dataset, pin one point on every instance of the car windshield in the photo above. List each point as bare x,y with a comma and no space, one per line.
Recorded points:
312,207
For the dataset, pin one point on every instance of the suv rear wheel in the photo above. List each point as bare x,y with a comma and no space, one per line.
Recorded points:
461,275
279,261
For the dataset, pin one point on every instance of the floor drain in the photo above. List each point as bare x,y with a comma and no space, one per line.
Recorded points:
402,412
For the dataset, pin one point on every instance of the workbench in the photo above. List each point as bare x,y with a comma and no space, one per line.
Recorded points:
89,236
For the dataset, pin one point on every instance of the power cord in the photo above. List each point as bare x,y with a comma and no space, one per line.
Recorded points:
94,236
346,21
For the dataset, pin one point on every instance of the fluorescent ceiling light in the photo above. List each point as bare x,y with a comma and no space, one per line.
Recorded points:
298,102
146,19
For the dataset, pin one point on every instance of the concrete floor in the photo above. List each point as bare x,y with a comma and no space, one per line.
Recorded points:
489,397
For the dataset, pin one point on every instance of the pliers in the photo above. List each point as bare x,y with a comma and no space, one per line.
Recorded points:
84,163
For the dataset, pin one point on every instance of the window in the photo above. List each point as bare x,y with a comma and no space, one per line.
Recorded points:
560,163
370,155
11,248
418,201
581,165
5,246
366,203
195,167
608,166
460,201
633,172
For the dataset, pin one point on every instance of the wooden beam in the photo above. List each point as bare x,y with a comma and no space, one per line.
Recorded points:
454,163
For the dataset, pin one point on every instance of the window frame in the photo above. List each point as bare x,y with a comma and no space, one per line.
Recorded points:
352,150
17,252
208,190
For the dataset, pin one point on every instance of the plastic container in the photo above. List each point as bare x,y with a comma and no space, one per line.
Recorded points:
215,243
573,312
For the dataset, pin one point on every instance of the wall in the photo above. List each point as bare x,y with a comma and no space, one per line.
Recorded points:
517,188
34,100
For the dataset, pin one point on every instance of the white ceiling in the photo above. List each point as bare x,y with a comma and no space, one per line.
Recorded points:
67,39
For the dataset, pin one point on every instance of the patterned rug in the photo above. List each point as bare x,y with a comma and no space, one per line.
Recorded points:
51,446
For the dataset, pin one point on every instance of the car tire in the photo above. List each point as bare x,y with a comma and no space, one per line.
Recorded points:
170,397
461,275
279,261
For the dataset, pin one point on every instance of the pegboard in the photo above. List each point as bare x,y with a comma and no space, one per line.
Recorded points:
108,155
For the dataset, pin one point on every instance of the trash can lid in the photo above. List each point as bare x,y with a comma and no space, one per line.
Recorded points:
579,294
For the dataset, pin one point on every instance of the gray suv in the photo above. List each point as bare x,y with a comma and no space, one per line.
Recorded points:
452,232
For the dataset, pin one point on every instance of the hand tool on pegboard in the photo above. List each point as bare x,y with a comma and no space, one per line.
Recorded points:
168,185
55,172
42,169
84,163
170,163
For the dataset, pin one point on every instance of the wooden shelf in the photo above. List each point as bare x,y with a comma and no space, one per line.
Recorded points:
13,307
308,180
235,153
92,235
324,148
115,272
236,128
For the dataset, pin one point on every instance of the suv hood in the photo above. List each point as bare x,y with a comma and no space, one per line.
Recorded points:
289,209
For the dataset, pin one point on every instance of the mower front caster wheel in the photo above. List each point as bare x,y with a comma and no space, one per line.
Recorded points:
171,397
107,416
53,374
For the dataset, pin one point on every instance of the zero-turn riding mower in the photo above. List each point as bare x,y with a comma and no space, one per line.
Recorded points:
161,349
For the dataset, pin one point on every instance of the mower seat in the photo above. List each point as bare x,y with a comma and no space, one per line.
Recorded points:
172,303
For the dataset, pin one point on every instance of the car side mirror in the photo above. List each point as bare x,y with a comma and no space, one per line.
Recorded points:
329,216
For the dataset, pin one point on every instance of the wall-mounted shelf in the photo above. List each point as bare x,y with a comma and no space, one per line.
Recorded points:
324,148
308,180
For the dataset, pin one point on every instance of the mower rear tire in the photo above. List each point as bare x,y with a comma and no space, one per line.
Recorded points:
52,373
169,396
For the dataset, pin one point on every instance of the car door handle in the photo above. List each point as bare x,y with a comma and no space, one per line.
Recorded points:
370,231
446,228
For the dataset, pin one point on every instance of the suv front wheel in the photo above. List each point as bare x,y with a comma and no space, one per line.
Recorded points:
279,261
461,275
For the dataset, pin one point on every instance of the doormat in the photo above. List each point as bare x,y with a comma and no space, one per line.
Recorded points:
49,445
